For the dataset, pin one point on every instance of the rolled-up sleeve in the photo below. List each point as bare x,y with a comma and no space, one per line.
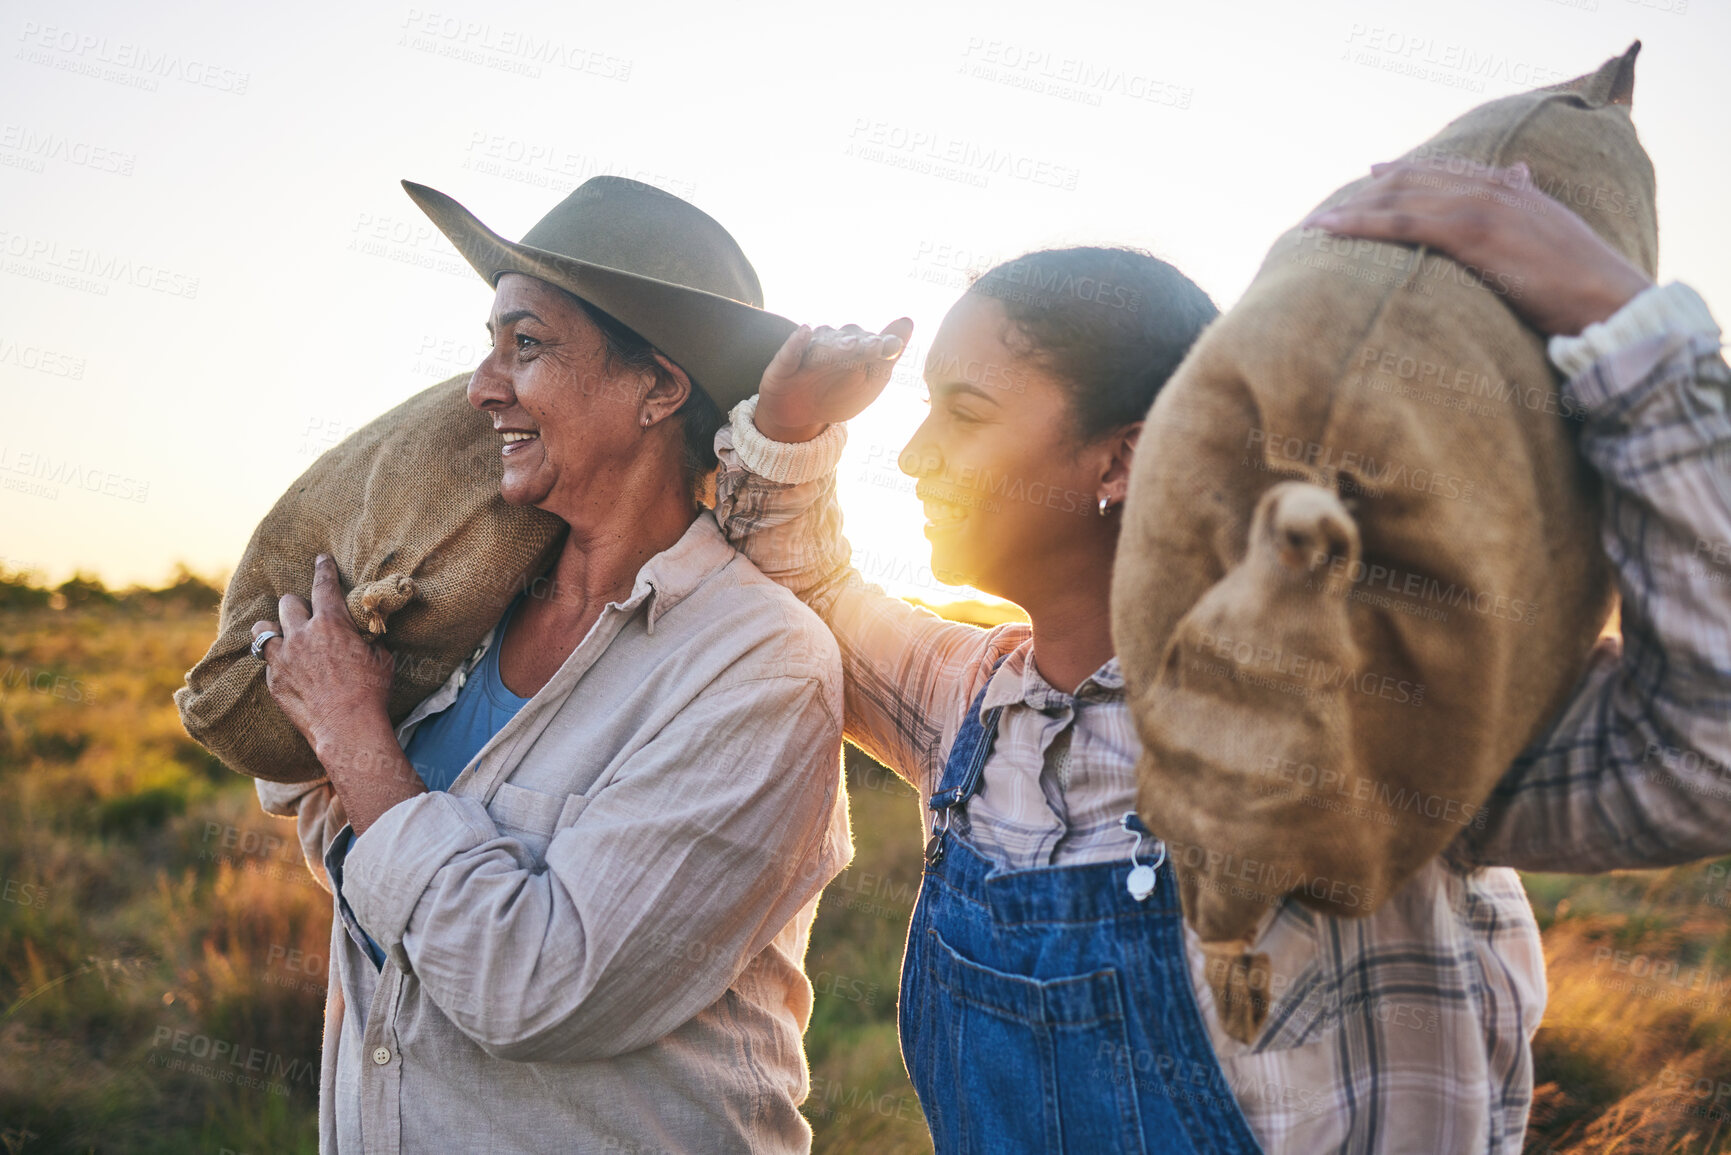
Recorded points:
909,673
683,865
318,815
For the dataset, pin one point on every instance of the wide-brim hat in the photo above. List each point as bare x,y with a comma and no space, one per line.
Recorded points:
660,266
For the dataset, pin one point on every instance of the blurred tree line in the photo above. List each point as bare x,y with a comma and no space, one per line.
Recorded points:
185,591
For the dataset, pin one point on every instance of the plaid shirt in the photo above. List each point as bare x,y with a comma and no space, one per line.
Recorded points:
1408,1030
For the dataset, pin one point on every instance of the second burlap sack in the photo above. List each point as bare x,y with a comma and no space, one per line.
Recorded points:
1360,566
428,553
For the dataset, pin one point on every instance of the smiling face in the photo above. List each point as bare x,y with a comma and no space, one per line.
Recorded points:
569,421
1005,483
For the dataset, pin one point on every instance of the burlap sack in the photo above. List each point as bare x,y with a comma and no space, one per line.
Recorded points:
1360,566
428,552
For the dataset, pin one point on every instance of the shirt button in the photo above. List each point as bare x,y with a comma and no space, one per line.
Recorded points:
381,1055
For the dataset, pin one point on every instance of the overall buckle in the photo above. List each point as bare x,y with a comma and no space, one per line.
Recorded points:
1143,875
935,844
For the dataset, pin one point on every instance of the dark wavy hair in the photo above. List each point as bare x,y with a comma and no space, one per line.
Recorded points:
1110,323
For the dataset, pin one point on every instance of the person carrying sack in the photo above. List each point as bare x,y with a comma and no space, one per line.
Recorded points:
575,886
1052,1000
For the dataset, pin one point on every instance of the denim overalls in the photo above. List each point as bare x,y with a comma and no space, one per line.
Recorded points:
1048,1010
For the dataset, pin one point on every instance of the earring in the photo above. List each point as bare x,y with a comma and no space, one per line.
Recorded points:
1105,504
646,421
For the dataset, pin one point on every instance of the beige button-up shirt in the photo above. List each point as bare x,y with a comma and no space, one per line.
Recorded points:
595,938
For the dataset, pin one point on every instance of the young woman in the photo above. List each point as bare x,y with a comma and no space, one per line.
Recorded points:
1050,999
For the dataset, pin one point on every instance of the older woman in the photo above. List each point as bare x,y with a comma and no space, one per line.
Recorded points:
574,887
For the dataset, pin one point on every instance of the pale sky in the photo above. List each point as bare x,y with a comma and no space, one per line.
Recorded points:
209,273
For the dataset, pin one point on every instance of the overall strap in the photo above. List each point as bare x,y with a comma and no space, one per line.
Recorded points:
966,764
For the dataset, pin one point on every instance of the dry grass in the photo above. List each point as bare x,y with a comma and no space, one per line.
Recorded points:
141,906
148,905
1634,1055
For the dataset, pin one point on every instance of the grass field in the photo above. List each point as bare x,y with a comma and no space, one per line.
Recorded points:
162,947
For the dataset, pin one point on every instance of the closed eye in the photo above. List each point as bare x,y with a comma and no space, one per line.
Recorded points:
959,400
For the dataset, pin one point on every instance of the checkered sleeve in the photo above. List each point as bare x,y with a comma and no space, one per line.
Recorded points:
1636,771
909,674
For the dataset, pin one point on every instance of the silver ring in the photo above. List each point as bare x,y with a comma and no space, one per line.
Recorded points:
258,643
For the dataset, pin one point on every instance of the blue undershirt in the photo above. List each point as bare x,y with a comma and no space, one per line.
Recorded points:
448,741
444,743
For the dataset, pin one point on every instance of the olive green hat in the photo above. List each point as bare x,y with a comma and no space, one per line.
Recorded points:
660,266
